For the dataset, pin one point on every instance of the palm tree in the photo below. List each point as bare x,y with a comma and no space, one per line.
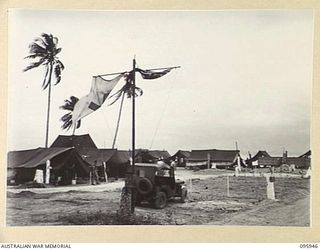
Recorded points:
126,90
45,50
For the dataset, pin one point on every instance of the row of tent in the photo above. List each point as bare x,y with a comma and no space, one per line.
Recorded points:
72,157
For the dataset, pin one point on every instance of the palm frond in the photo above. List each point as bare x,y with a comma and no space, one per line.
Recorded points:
35,55
60,64
40,42
57,51
67,121
35,48
57,73
127,89
67,118
69,104
44,83
55,40
34,64
48,39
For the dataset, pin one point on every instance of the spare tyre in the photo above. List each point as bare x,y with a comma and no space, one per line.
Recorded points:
144,186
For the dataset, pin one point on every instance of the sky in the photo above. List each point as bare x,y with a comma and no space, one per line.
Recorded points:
245,77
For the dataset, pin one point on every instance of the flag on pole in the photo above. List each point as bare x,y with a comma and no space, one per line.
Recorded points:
152,74
100,90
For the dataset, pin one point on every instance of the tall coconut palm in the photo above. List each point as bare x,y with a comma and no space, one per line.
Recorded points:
44,49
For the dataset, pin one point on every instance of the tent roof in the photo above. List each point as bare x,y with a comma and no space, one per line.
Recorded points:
33,157
260,153
159,153
215,155
156,154
182,153
77,141
307,154
100,155
104,155
277,161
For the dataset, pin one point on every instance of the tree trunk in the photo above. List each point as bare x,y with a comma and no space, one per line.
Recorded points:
49,100
125,213
118,122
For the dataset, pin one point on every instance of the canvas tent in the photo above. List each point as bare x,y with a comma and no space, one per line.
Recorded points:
115,161
151,156
217,158
65,162
77,141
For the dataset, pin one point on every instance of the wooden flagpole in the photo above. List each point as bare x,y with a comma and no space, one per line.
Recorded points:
133,129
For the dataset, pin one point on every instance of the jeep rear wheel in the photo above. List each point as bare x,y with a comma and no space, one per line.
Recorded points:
161,200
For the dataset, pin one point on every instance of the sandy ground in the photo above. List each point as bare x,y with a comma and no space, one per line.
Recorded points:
208,202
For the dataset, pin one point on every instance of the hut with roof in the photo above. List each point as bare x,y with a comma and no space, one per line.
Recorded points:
214,158
180,157
302,162
253,161
151,156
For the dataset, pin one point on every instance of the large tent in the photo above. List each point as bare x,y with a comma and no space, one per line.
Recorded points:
65,162
217,158
116,161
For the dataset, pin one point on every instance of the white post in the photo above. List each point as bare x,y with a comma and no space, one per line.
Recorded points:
208,156
105,171
190,187
228,192
48,167
270,187
238,162
236,171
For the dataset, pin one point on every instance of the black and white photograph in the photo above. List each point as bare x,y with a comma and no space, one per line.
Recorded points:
159,117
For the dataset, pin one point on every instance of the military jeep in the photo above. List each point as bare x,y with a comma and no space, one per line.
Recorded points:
156,184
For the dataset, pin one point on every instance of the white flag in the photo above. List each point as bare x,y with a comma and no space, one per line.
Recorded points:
99,92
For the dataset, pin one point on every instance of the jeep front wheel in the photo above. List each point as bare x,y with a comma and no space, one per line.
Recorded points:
161,200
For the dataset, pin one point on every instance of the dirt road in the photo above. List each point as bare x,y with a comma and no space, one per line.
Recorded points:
208,203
